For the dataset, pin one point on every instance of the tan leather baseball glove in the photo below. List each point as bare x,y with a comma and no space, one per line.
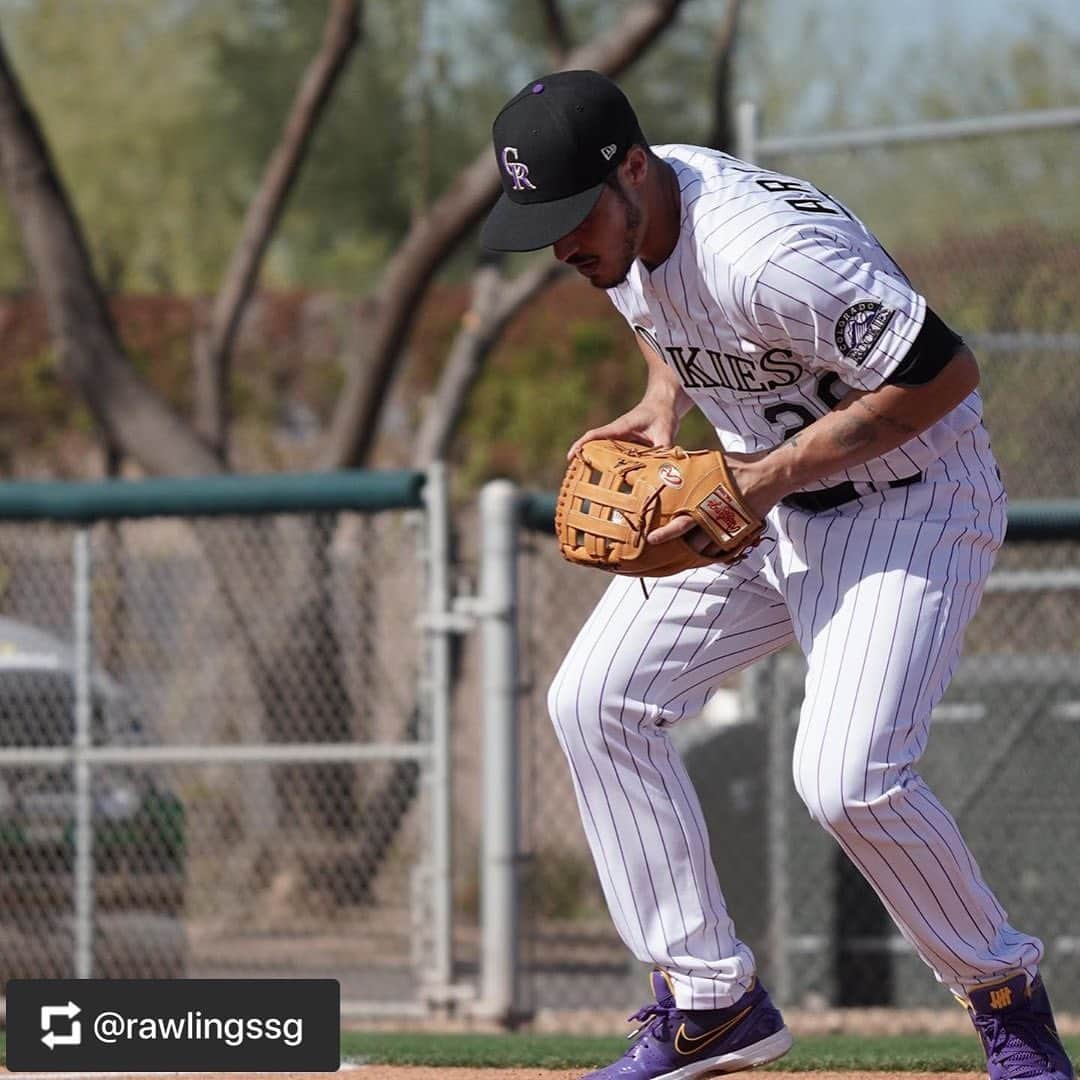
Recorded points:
615,493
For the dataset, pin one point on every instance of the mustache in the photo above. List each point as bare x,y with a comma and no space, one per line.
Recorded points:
577,260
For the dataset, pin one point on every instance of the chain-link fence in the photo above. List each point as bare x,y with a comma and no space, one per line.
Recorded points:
218,742
571,954
220,757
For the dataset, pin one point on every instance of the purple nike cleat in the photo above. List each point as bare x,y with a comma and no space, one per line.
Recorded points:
677,1044
1018,1032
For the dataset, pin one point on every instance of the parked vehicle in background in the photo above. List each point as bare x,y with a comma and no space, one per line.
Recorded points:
137,827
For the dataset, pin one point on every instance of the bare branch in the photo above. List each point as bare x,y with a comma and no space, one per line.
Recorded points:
558,34
613,52
722,136
495,303
213,346
432,238
137,421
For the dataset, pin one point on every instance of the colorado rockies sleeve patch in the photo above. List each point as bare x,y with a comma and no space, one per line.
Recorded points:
859,328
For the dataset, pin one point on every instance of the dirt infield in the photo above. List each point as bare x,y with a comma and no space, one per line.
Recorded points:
358,1071
347,1070
402,1072
394,1072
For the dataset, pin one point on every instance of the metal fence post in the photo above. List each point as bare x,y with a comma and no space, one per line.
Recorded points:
437,527
746,128
778,698
84,839
764,700
499,896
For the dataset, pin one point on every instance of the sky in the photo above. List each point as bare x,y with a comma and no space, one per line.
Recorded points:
899,28
895,27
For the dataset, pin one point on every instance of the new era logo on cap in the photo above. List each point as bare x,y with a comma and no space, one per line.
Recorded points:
608,151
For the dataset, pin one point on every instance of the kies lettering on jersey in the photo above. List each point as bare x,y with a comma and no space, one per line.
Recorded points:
775,302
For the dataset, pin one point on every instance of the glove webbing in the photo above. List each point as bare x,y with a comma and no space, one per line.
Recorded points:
596,501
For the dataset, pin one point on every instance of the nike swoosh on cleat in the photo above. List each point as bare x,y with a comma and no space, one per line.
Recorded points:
699,1042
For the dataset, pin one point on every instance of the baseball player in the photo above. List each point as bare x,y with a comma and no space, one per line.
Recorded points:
851,418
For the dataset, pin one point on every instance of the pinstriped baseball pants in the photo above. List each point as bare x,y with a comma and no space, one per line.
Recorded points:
877,593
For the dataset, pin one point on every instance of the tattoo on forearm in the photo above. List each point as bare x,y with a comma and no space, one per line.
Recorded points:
854,432
892,421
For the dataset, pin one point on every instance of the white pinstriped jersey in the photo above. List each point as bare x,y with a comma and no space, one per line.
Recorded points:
774,304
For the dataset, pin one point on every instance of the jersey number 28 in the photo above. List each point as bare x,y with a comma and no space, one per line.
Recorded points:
784,411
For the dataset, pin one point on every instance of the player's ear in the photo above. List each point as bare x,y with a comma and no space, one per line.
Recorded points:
634,167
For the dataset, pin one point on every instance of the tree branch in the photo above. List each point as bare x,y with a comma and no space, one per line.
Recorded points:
495,303
214,346
558,34
722,136
137,421
432,238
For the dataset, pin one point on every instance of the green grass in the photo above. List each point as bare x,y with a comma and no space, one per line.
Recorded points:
906,1053
931,1053
481,1051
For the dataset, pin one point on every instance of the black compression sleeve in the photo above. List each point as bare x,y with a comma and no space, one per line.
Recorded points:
934,346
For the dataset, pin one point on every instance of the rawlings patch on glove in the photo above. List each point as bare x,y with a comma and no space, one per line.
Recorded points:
615,493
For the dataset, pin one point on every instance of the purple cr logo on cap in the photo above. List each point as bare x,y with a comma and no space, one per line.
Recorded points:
538,88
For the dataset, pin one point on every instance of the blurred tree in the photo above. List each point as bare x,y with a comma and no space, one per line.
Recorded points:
144,179
434,237
496,301
214,344
135,421
354,198
214,81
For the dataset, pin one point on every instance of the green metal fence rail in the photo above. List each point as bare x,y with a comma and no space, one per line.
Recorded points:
360,490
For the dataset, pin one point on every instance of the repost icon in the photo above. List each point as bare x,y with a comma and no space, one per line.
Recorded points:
72,1037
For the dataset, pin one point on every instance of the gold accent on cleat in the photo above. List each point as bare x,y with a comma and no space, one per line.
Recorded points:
699,1042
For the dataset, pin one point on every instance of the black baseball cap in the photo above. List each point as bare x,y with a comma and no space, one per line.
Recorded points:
556,141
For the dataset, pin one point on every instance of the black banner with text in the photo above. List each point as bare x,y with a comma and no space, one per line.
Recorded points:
174,1025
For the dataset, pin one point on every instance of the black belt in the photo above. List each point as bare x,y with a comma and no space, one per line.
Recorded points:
813,502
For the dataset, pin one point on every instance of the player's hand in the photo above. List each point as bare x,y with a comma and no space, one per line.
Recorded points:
757,486
758,480
646,423
684,525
